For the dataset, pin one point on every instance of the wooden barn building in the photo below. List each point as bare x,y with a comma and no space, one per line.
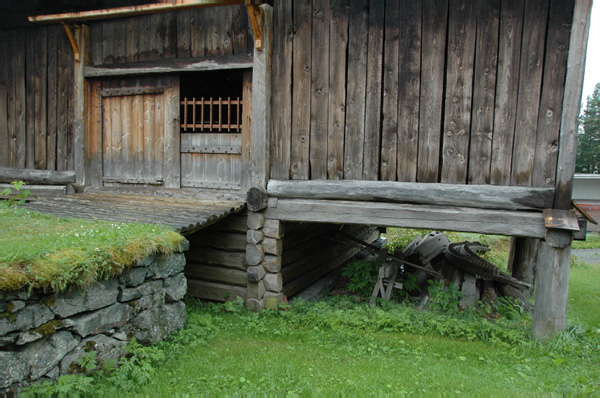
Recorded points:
257,128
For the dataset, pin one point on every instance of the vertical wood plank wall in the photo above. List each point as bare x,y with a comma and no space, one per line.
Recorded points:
36,73
452,91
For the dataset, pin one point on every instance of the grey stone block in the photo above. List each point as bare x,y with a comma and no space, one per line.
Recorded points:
29,317
175,288
149,326
134,277
28,337
108,349
163,267
272,300
175,316
98,295
15,306
101,320
45,354
8,339
15,367
146,302
145,289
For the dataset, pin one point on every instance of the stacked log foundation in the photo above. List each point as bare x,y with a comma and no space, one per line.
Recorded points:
285,257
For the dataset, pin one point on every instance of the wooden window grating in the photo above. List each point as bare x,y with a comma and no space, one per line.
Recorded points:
211,115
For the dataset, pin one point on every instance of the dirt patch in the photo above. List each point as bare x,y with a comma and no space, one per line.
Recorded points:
590,256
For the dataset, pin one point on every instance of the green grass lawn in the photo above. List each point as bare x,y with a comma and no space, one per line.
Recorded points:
342,347
339,346
47,252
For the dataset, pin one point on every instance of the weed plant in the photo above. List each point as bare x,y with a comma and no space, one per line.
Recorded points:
51,253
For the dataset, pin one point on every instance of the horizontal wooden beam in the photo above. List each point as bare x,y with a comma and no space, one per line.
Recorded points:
33,176
235,61
486,221
40,191
478,196
127,11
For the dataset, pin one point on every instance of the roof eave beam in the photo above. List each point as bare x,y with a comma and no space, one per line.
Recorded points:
120,12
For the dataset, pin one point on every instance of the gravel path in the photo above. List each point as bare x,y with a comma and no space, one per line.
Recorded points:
590,256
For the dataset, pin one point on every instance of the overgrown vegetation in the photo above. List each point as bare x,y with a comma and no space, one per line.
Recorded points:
51,253
15,195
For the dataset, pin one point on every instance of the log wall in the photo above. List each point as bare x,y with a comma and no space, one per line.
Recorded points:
216,262
452,91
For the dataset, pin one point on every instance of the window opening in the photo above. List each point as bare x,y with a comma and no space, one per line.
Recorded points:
211,102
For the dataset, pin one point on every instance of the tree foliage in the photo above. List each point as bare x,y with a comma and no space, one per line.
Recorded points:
588,148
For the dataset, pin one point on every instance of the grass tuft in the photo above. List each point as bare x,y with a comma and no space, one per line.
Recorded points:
40,251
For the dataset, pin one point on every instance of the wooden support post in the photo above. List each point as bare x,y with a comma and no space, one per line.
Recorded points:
552,289
571,103
80,91
261,103
524,262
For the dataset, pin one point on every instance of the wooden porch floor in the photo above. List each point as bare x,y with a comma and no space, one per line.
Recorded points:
185,215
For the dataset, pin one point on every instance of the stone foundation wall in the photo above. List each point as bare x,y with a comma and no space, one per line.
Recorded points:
43,335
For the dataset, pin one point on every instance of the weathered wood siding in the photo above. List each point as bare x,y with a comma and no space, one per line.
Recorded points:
453,91
183,34
36,75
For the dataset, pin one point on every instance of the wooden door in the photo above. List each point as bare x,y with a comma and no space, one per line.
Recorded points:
140,132
215,144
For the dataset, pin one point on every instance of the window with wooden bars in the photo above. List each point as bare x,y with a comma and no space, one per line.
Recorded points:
211,102
211,115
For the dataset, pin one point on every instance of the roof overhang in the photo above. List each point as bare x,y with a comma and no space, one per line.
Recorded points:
120,12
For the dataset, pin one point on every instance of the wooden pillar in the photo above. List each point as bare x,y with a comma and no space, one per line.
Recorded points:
554,260
552,288
261,103
80,93
524,257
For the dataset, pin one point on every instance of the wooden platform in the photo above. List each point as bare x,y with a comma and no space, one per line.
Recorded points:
185,215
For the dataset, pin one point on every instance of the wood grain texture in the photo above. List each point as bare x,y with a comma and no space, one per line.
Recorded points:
54,34
479,196
301,73
553,88
32,38
389,131
338,39
409,86
319,90
94,140
502,222
4,87
509,56
571,104
459,91
40,89
371,150
530,81
435,16
281,111
484,92
358,34
184,37
261,104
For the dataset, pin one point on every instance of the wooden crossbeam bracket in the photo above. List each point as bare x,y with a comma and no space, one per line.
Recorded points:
69,29
257,22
